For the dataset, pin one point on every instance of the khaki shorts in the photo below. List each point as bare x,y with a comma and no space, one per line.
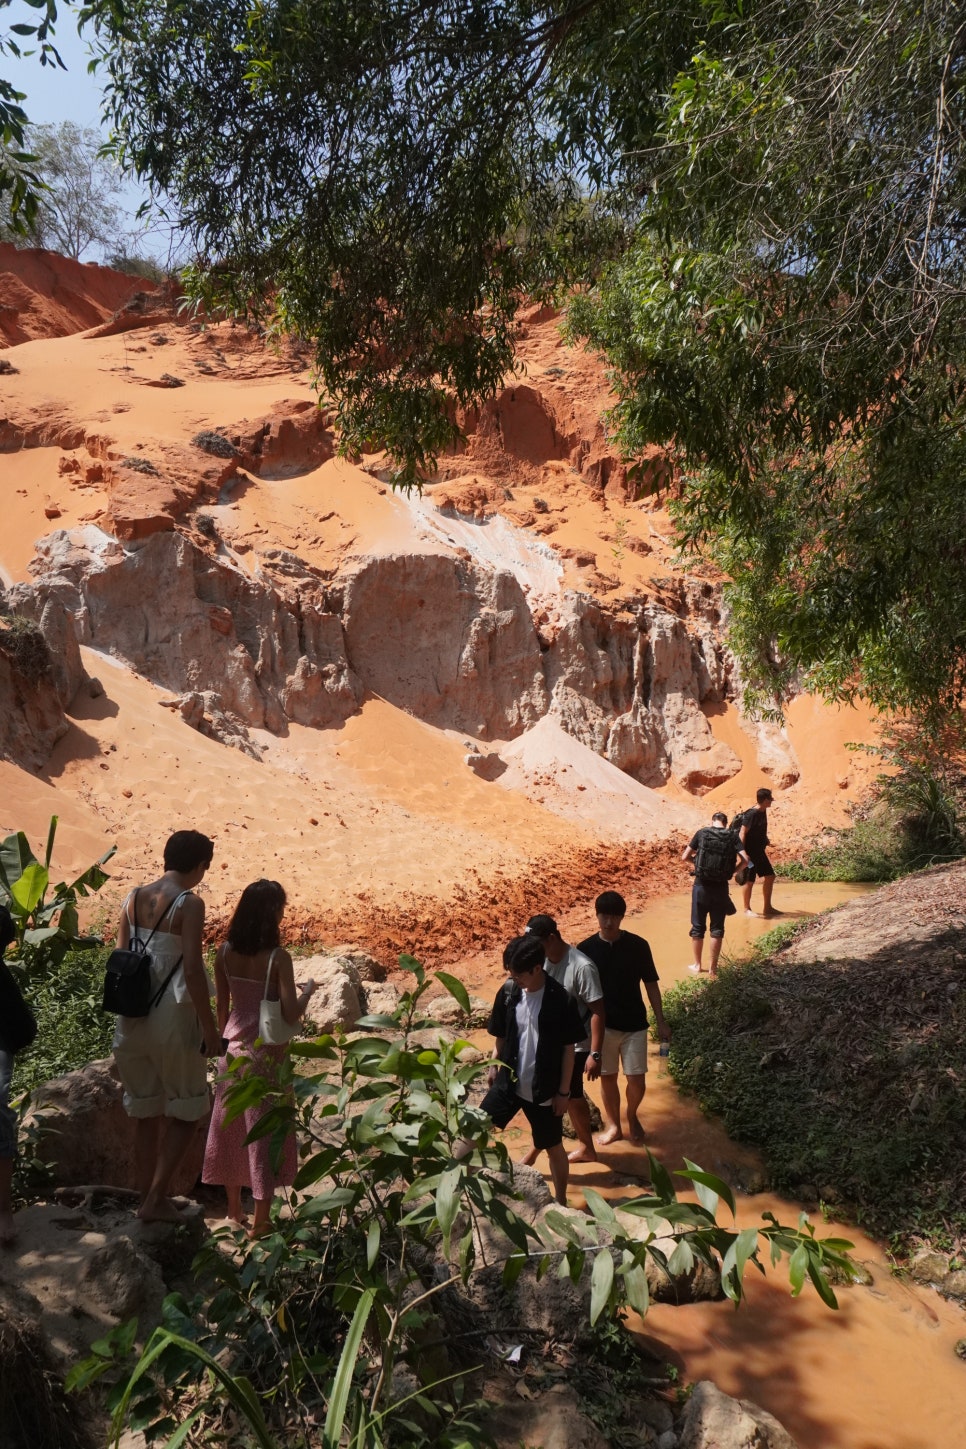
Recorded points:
624,1048
160,1063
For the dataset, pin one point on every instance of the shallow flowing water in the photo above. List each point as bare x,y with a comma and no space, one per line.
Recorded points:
881,1373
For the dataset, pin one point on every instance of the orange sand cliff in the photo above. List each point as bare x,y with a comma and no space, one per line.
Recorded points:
398,806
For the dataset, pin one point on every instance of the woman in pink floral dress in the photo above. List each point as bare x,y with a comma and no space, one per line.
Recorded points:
250,955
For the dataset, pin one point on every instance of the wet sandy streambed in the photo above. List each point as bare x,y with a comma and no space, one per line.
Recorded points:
881,1373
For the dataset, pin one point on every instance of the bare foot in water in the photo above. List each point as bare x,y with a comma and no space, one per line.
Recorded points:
635,1134
8,1230
612,1134
160,1210
753,913
767,915
582,1154
531,1157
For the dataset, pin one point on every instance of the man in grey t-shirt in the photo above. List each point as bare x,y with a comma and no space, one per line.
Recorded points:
577,974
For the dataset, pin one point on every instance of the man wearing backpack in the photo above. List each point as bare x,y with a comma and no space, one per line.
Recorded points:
715,851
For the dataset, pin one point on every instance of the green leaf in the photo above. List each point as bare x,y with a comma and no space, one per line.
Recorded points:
332,1201
15,856
601,1282
821,1284
342,1384
51,832
661,1179
708,1188
797,1269
636,1289
373,1239
600,1208
681,1260
513,1267
28,891
447,1203
455,988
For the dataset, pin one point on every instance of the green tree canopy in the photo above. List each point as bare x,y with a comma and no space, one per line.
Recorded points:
762,204
19,184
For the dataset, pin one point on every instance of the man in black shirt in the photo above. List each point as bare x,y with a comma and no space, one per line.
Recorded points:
754,842
624,963
536,1023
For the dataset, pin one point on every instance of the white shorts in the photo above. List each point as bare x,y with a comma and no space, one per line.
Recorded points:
160,1063
624,1048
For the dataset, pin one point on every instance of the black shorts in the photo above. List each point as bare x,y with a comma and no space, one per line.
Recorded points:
577,1080
708,898
501,1104
760,866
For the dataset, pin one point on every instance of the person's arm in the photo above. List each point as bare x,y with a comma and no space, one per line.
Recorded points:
124,929
597,1024
657,1006
222,991
688,854
195,978
561,1100
293,1002
494,1067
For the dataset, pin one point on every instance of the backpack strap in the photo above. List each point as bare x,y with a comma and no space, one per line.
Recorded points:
171,907
268,976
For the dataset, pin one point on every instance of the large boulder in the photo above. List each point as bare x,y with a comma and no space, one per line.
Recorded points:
447,640
552,1421
712,1420
632,686
83,1132
184,618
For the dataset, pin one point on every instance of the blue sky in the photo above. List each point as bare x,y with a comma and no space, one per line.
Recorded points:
54,95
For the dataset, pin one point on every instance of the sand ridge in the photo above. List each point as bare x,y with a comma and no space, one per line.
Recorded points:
380,830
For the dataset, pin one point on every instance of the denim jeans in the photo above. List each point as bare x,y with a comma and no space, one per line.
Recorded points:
8,1118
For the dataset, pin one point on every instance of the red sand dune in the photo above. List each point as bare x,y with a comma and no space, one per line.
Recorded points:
46,295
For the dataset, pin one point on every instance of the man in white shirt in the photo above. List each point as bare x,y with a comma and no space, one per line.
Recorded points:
578,976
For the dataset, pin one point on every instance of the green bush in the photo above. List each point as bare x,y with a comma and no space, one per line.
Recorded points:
72,1030
846,1075
345,1325
25,646
914,818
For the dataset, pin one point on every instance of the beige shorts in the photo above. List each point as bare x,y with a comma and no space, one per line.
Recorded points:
160,1063
624,1048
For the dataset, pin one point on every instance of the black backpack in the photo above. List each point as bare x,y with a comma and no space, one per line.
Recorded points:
716,855
738,822
128,987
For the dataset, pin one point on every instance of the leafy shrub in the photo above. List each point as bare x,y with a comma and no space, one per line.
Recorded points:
45,929
140,465
846,1075
215,444
398,1178
24,644
205,524
914,818
72,1029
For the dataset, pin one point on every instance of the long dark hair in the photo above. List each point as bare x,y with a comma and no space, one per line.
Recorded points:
254,926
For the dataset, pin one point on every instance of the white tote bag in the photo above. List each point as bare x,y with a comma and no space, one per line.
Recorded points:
273,1029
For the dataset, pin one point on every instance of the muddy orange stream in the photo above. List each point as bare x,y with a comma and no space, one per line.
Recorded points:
881,1373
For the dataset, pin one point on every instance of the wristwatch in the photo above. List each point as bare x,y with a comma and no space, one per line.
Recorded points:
595,1056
